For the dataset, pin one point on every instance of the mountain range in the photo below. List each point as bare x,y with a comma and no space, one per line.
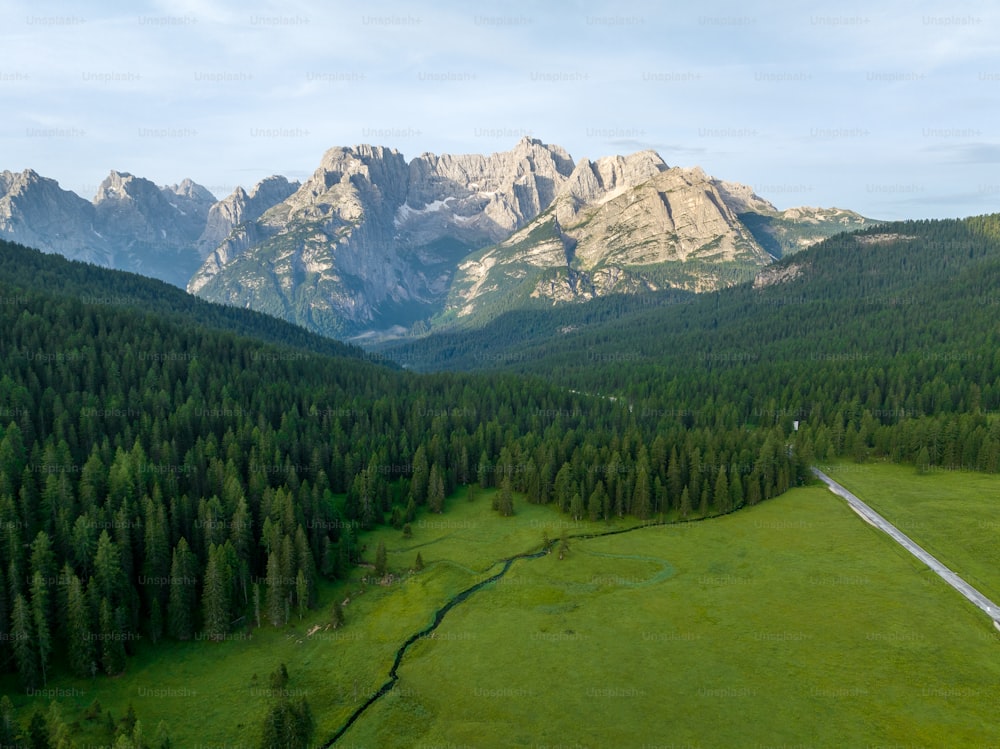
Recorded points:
374,245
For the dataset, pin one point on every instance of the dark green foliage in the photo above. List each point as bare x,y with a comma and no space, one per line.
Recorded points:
288,723
337,614
138,440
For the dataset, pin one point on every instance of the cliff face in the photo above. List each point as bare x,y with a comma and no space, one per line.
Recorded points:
131,224
370,239
621,225
36,212
372,242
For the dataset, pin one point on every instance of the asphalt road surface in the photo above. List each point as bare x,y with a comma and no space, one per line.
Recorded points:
977,598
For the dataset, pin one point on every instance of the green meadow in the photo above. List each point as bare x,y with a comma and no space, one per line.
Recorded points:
789,623
955,515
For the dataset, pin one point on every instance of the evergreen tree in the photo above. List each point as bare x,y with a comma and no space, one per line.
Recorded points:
183,593
40,619
301,593
435,490
505,498
215,598
642,505
79,629
421,476
22,634
9,726
685,505
276,590
721,498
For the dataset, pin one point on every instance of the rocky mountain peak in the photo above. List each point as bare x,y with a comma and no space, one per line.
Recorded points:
123,186
241,207
741,198
596,182
191,191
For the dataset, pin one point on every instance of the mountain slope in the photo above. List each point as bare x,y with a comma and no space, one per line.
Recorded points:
371,245
650,229
24,270
370,240
919,289
131,224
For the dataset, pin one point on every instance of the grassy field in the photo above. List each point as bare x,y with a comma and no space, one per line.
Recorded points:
791,623
954,515
226,684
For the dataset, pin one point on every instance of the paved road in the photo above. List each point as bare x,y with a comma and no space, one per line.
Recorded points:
984,603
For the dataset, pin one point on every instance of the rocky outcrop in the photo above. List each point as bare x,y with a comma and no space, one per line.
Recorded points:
622,225
370,239
38,213
131,225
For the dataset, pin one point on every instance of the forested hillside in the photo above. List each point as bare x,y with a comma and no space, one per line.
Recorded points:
161,479
23,270
881,343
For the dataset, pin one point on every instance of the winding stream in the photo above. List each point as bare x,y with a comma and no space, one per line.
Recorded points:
460,597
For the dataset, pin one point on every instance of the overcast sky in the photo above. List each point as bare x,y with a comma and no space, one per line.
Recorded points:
889,110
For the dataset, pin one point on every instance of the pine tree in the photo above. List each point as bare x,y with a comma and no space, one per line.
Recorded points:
685,506
421,476
110,624
505,500
435,490
215,598
256,603
721,496
563,487
337,614
22,634
736,492
418,563
79,629
642,503
595,505
275,593
9,725
183,594
301,593
39,614
923,461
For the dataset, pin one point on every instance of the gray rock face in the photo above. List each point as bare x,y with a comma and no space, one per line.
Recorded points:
36,212
131,225
241,207
370,239
621,225
148,228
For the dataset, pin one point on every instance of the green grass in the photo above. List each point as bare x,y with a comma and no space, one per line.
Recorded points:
789,623
955,515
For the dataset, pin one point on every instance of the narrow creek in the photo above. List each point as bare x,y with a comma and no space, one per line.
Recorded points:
461,597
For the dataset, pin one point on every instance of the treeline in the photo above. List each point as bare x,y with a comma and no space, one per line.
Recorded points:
159,480
881,343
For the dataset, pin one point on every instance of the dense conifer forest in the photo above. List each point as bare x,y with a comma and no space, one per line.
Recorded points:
882,344
174,469
163,480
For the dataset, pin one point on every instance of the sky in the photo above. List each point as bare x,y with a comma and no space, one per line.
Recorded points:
889,109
